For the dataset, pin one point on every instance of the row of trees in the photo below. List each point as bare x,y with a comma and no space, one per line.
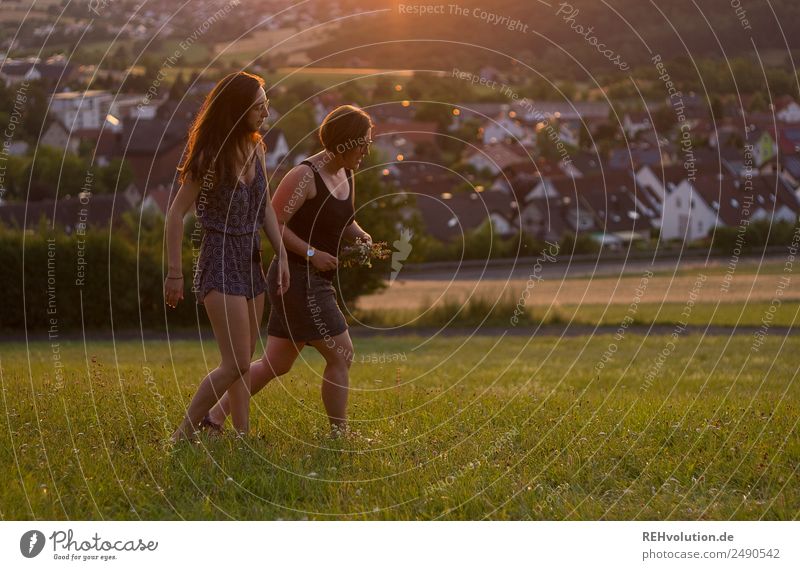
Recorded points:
52,174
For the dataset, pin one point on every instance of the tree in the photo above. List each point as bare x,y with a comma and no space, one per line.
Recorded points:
717,108
758,103
54,174
383,89
299,126
178,88
439,113
664,120
585,137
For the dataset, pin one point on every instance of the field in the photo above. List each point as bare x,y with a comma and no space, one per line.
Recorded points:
508,427
694,295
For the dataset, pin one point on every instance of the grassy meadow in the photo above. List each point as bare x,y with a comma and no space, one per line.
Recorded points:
449,427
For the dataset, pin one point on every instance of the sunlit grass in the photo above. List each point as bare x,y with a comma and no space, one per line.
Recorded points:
482,311
503,428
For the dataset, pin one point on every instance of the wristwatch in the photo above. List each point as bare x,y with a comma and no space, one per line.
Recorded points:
310,252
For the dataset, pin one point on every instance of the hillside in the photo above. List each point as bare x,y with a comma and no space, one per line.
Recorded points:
472,35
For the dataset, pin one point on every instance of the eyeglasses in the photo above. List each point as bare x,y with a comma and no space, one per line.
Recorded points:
364,147
265,104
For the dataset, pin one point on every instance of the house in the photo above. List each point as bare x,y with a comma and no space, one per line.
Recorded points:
687,215
787,110
156,201
13,73
569,133
153,149
81,110
636,122
724,133
634,156
127,106
564,192
399,140
774,199
495,157
609,205
657,182
519,178
765,147
277,147
790,170
424,178
52,71
502,128
479,112
544,218
789,140
16,148
451,216
59,136
583,163
385,112
536,111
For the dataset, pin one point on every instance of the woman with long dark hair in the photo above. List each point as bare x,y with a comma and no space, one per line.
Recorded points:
315,206
223,176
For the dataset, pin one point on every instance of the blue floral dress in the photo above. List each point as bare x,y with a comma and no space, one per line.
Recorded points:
230,253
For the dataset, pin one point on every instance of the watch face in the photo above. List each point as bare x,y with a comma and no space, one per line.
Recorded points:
310,251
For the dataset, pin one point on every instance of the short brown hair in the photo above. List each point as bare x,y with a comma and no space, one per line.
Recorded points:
344,128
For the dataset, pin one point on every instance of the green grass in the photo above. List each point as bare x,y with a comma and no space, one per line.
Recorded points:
460,428
483,311
716,268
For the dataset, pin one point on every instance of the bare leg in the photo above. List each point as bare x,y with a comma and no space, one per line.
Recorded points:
239,392
229,319
255,310
338,354
277,360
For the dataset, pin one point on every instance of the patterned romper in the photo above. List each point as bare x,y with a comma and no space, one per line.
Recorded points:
230,253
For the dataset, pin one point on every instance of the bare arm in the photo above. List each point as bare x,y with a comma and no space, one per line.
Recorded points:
184,200
291,194
173,284
270,221
354,231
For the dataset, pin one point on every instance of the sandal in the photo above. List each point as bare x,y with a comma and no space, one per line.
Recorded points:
207,425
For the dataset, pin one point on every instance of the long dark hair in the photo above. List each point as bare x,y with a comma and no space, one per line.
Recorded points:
219,130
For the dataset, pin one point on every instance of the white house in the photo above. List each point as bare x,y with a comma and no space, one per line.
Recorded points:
656,183
58,136
789,113
12,75
544,189
502,128
637,122
764,211
82,110
774,199
277,147
685,215
568,135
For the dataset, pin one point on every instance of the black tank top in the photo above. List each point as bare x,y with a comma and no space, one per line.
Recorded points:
321,220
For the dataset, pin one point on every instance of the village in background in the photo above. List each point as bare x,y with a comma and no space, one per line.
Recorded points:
458,152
